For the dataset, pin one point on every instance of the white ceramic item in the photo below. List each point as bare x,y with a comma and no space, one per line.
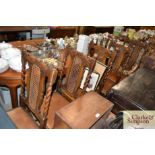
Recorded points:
4,65
10,53
15,63
3,46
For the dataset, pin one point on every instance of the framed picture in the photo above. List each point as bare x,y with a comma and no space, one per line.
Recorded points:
96,76
100,68
93,80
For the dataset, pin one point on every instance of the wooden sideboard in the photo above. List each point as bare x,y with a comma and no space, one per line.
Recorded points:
10,33
62,32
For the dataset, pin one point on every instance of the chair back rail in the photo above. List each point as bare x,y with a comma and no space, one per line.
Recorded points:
74,67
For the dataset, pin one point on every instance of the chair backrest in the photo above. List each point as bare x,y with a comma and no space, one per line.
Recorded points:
114,71
75,65
114,57
104,55
36,88
135,47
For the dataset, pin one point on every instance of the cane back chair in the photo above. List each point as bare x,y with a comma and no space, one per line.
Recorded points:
36,89
70,81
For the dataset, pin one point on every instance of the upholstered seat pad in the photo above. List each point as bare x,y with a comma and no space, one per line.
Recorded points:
57,102
21,119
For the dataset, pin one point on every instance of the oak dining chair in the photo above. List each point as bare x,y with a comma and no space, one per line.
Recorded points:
36,91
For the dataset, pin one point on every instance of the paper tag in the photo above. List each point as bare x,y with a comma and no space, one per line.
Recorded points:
97,115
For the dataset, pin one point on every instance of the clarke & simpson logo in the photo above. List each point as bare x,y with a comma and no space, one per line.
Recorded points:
139,119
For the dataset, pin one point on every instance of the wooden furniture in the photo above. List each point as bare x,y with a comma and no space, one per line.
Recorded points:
10,32
102,29
33,42
98,29
35,93
5,121
122,57
114,56
88,111
69,82
62,32
115,69
104,55
75,64
12,80
135,48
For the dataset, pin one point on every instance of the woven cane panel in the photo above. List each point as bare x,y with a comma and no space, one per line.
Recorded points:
74,73
34,86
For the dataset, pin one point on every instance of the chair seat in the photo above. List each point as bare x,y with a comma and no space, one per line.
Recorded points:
57,102
21,119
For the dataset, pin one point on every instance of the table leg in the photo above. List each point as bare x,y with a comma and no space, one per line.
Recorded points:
13,92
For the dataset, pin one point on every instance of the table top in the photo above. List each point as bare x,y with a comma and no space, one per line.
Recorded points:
47,56
10,74
5,121
26,42
83,112
15,29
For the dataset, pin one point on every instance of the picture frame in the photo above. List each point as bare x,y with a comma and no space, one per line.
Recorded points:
100,68
93,81
96,76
